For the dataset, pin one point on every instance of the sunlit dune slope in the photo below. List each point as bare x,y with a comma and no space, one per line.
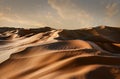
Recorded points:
47,53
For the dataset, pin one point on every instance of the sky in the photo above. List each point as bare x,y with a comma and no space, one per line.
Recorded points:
66,14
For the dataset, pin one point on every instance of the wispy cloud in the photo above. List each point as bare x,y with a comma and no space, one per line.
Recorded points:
112,9
9,19
67,9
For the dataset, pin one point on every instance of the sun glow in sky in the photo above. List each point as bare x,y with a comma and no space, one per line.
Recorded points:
70,14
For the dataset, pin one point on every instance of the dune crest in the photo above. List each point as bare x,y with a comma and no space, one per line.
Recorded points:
47,53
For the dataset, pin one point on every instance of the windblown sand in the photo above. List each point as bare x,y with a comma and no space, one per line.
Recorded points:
47,53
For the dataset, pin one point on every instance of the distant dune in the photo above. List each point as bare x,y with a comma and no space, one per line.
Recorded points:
48,53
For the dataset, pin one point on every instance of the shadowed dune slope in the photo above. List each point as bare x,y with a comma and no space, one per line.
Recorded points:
47,53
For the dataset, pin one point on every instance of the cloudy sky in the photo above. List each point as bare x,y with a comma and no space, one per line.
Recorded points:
70,14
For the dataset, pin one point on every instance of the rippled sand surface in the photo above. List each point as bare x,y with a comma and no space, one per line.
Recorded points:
47,53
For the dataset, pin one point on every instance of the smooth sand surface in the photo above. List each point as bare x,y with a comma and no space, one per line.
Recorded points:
47,53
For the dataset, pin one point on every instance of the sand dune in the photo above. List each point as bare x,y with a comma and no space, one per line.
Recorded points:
47,53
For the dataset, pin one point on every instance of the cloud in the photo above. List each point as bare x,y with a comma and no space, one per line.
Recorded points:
7,18
112,9
11,21
68,10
